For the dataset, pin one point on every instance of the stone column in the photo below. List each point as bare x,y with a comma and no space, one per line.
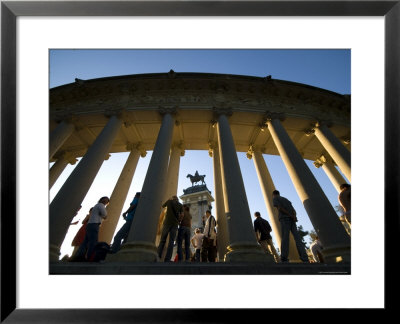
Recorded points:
119,194
222,225
75,188
339,153
326,223
59,135
267,187
173,170
330,170
59,166
243,243
171,187
140,243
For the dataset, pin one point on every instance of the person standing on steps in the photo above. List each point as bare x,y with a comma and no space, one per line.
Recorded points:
288,219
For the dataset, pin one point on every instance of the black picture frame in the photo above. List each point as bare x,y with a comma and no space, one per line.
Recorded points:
10,10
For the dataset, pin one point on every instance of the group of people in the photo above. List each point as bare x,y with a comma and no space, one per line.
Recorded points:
287,218
87,237
177,224
90,231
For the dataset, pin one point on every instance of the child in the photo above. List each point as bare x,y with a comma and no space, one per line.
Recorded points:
197,241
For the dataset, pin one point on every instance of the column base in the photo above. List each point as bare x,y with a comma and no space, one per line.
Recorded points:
247,252
54,253
135,251
337,254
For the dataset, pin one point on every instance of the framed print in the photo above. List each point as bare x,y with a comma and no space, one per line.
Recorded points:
11,204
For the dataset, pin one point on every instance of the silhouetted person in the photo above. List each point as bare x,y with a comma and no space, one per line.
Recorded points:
184,234
288,219
263,230
345,200
123,232
170,225
209,247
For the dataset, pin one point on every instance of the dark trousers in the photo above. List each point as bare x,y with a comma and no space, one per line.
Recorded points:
208,251
171,230
183,235
287,226
121,235
90,241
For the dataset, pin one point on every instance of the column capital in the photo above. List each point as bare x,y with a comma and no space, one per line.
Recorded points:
309,131
346,140
269,115
117,112
168,110
321,123
180,146
66,117
67,156
136,146
127,123
250,152
263,125
321,161
222,110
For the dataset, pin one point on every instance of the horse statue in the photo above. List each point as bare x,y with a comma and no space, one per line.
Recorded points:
196,178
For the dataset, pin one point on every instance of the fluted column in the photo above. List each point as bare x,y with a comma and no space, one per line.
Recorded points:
339,153
222,225
243,243
333,237
330,170
140,243
59,135
267,187
119,194
75,188
59,166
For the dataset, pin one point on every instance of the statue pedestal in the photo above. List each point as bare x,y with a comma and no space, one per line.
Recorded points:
199,199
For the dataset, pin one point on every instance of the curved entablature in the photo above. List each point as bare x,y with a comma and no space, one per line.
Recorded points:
195,96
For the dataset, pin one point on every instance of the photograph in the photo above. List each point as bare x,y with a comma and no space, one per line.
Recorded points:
207,161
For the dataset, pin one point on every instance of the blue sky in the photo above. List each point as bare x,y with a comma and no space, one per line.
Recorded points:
328,69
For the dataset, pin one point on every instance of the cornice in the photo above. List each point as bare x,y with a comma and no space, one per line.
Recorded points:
201,91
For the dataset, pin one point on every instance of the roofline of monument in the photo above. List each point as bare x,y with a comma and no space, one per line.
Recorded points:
167,75
197,192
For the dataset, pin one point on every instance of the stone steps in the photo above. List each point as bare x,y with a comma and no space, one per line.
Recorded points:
159,268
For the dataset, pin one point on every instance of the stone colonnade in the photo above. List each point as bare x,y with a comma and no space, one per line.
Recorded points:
237,241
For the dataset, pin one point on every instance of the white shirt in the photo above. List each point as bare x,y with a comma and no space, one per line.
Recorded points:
98,213
209,229
198,240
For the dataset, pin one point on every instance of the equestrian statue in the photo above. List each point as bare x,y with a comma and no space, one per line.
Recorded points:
196,178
